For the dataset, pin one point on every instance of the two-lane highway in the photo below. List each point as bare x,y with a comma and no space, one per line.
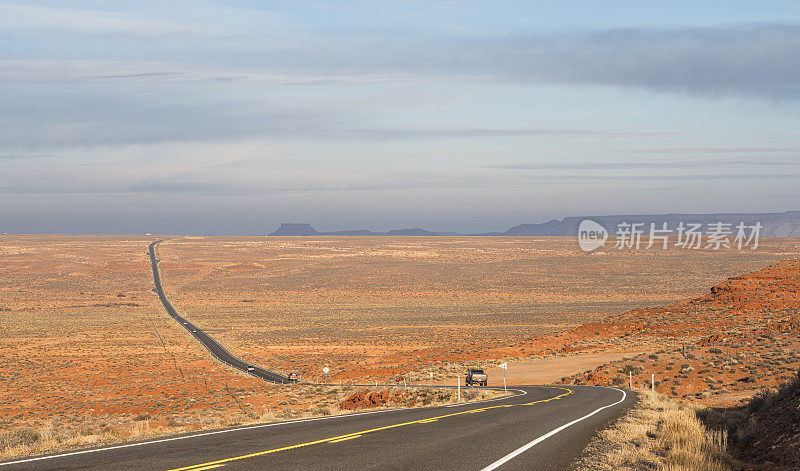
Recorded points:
541,428
218,351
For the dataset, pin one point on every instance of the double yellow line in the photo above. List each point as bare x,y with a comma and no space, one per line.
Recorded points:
349,436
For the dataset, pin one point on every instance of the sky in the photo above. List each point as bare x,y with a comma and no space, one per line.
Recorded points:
228,118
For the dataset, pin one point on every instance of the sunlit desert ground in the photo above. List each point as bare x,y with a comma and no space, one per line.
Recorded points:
373,307
85,346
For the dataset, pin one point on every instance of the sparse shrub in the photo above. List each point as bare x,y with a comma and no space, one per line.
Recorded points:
632,369
19,437
173,422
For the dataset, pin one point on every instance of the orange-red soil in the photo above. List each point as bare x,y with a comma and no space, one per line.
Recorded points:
84,344
739,338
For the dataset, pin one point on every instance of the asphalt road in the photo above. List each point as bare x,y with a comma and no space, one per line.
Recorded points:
218,351
541,428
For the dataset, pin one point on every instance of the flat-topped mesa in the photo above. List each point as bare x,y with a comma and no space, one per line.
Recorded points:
290,229
293,230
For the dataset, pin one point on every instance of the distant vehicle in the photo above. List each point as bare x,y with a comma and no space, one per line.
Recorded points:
194,331
293,377
476,376
251,368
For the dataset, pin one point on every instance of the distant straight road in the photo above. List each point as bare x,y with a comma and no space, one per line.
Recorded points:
540,428
219,352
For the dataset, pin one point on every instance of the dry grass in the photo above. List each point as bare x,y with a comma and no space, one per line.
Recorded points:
659,434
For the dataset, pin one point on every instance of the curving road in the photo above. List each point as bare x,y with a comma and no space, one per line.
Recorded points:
541,428
218,351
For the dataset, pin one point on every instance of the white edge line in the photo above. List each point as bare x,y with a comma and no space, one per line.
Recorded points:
217,432
490,400
549,434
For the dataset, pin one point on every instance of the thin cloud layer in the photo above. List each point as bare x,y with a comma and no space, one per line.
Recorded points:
750,59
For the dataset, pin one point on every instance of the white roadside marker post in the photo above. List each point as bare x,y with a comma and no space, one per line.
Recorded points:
431,373
653,386
458,381
504,366
630,380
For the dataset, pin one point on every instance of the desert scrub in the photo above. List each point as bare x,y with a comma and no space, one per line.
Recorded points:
658,434
25,440
25,436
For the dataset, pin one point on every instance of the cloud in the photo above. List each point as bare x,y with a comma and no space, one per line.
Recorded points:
23,157
711,150
484,132
114,118
756,59
751,59
634,165
25,17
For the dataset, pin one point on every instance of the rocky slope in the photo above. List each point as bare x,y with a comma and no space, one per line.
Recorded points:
720,348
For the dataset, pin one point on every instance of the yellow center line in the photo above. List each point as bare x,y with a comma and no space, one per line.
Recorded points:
198,467
343,439
210,467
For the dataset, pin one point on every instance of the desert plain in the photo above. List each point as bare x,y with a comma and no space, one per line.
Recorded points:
87,350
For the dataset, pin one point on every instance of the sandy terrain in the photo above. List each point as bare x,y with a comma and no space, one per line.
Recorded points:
85,347
550,370
377,307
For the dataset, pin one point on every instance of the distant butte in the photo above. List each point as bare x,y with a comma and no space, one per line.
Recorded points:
786,224
288,229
